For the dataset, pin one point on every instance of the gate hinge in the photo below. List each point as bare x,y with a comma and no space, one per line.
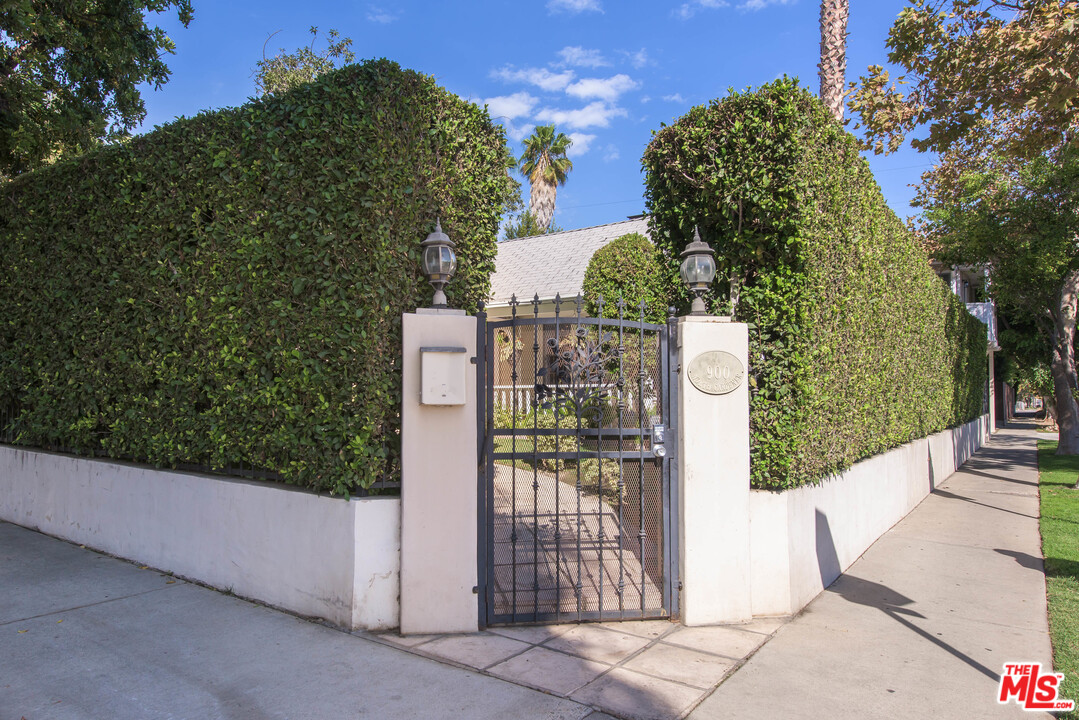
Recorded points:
475,589
679,585
474,360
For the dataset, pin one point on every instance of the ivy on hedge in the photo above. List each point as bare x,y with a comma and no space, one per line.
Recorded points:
632,269
229,287
855,345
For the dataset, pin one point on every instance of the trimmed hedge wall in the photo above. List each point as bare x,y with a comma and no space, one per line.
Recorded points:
855,345
229,288
629,267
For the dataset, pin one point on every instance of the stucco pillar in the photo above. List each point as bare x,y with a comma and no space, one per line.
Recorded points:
714,470
438,474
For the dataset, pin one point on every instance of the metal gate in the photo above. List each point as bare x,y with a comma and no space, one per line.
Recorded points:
576,500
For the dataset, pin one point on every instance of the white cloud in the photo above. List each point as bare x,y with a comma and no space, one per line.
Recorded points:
605,89
511,106
540,77
581,144
610,153
761,4
688,10
380,15
637,59
677,98
574,6
581,57
595,114
646,99
517,133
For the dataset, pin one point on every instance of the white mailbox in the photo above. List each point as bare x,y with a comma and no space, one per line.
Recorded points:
442,375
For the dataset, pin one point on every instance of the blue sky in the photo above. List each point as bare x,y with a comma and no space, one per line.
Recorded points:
608,73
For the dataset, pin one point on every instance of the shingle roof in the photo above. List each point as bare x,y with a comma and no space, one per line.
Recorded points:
555,263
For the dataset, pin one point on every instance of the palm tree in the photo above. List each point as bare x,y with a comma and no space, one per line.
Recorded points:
833,54
546,166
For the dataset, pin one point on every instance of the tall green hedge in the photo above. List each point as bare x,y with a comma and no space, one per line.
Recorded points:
228,288
632,269
855,345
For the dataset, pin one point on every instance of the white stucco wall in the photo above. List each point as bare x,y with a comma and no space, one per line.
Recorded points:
313,555
803,539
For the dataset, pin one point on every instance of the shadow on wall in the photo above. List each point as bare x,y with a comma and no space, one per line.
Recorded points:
963,443
827,558
932,471
871,594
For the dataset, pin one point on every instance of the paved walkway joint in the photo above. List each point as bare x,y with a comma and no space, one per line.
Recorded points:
638,669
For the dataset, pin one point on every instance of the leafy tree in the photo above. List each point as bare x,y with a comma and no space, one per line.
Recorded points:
1025,343
1015,60
833,54
546,166
995,84
1036,381
287,70
525,225
70,71
1021,218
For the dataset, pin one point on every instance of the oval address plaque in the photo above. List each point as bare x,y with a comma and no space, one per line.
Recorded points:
716,372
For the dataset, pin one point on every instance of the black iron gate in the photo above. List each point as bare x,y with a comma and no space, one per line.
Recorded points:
576,500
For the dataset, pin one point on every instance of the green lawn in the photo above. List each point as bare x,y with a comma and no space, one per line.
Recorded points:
504,443
1060,545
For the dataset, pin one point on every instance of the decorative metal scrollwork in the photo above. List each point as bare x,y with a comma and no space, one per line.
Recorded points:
577,379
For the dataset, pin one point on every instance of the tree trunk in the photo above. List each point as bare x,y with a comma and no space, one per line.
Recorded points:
833,54
1063,366
541,203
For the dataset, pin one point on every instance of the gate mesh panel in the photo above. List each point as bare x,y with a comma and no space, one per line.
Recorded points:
577,521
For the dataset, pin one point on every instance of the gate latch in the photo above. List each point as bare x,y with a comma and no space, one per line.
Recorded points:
659,435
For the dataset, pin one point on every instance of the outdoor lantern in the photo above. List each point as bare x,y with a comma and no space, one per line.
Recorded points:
698,271
439,262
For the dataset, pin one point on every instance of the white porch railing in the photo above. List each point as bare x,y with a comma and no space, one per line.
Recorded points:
504,397
987,313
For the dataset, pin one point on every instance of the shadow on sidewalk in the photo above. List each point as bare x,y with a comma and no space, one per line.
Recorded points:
1000,478
972,501
1024,559
871,594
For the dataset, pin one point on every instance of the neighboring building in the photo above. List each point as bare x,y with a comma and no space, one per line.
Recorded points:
545,266
969,283
549,265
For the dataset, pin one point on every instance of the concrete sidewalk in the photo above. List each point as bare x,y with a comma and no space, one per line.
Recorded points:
87,636
919,627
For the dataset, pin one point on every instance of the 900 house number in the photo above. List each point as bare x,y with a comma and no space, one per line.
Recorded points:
716,372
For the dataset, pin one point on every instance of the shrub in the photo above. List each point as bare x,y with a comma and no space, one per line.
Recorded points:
229,287
545,419
632,269
855,345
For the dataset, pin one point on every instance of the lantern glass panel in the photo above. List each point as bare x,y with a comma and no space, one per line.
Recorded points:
698,270
449,261
439,261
